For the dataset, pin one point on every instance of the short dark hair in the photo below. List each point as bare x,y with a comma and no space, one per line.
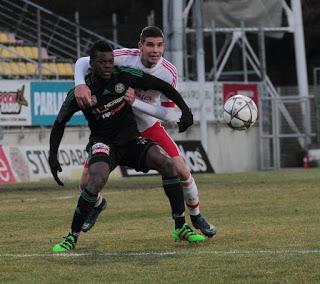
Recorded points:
101,46
150,31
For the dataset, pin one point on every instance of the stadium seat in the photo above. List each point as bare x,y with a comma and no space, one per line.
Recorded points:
5,53
28,51
3,38
14,69
20,50
7,69
22,69
69,69
31,69
34,52
50,69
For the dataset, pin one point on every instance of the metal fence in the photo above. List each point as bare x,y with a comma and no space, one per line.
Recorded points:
281,145
36,25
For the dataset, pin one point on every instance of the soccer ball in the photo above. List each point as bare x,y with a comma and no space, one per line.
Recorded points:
240,112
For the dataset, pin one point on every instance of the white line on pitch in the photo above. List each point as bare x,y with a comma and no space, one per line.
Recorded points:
232,252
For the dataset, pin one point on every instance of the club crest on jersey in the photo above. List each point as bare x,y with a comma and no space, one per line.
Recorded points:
119,88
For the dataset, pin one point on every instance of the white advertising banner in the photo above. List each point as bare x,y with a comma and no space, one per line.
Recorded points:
15,107
213,104
30,163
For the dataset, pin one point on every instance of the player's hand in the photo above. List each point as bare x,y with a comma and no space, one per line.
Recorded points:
130,95
83,96
55,168
185,121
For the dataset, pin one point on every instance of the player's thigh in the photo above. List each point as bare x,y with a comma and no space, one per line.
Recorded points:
158,134
158,159
137,153
101,160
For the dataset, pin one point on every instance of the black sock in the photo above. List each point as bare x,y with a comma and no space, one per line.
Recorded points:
173,190
86,202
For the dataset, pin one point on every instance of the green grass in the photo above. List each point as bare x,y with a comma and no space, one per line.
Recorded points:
268,232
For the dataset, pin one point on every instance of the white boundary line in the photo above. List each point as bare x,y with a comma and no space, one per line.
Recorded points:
160,254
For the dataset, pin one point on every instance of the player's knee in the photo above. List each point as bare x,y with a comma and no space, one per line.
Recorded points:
167,167
96,183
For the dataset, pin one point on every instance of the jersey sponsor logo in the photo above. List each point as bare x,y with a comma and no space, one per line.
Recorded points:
100,148
104,110
119,88
114,111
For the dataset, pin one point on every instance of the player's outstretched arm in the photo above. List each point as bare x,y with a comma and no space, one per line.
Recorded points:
163,113
147,81
82,92
68,108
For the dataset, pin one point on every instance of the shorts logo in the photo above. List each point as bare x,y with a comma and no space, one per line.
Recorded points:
142,140
100,148
119,88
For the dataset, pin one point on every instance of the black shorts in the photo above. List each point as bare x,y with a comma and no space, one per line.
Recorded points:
132,155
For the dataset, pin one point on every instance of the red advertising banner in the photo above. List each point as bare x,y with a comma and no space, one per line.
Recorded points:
249,90
6,175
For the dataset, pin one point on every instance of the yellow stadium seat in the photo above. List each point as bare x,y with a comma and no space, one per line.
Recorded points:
7,69
50,69
5,53
14,69
20,50
34,51
61,69
69,69
3,37
31,69
28,51
22,69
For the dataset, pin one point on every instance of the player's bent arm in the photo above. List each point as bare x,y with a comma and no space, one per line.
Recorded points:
80,70
163,113
149,82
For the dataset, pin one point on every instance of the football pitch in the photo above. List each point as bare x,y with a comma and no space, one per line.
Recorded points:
268,231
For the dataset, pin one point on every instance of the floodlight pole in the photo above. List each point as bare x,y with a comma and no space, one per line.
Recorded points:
301,64
177,38
201,72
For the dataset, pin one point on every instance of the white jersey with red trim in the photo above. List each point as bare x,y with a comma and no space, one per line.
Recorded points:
164,70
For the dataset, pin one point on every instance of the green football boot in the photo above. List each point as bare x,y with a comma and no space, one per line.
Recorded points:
187,234
68,244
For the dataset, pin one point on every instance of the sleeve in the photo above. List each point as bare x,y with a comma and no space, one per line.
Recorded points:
68,108
170,76
163,113
149,82
80,70
124,56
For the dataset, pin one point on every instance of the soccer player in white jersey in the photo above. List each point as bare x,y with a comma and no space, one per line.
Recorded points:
148,58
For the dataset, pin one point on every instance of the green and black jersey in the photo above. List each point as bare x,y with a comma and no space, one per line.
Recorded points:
111,119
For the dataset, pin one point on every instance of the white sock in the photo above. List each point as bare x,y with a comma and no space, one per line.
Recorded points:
99,200
191,195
